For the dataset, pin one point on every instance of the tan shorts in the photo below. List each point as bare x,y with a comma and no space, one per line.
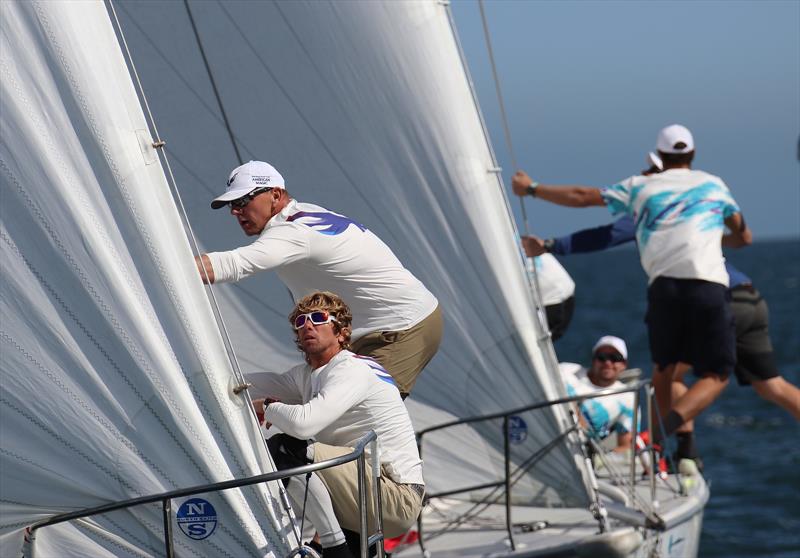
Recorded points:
400,503
404,353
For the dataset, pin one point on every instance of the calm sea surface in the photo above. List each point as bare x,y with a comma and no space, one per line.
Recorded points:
751,449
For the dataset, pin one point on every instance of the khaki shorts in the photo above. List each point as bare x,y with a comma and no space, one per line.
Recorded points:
400,503
404,353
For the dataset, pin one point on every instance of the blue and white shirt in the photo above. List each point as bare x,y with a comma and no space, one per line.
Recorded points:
604,415
679,216
314,249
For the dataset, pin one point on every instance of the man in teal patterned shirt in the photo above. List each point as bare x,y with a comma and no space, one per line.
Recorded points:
680,216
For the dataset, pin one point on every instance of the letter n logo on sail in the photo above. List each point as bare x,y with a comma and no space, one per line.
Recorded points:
197,518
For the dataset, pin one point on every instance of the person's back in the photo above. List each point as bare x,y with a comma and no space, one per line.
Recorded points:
679,216
312,248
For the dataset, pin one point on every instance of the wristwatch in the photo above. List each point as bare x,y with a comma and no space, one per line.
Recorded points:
548,244
531,189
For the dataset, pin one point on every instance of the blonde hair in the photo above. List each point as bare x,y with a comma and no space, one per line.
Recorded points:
325,300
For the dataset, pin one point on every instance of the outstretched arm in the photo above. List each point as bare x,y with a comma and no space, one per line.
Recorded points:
570,196
587,240
739,234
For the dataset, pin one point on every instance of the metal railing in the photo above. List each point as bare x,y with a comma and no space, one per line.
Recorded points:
166,497
506,482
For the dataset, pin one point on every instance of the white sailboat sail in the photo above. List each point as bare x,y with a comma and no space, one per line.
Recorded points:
365,108
115,381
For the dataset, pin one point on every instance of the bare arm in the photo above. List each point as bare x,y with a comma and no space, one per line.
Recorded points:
570,196
205,269
739,234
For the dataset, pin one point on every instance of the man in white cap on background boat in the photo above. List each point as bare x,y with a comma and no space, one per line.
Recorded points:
322,408
610,413
397,320
680,216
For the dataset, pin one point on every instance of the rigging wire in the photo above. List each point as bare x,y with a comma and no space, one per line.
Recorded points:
503,115
213,82
196,249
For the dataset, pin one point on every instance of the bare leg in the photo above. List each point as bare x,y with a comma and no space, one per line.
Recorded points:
777,390
699,396
678,390
662,384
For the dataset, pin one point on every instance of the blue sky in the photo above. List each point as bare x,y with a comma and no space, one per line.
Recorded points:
588,84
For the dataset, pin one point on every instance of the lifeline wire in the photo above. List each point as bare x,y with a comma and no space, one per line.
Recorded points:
196,248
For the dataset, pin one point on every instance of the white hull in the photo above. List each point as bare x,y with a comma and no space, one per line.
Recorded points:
551,533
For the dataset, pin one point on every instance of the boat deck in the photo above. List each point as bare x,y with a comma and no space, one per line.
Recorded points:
457,528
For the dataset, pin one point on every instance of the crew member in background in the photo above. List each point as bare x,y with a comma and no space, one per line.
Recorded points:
397,320
755,362
680,215
556,289
322,408
611,413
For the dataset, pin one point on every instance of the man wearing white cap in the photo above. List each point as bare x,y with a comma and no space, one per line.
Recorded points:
680,216
397,321
610,413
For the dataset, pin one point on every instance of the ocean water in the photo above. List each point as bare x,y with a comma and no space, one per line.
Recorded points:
750,448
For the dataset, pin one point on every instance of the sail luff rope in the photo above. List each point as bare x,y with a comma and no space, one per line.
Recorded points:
503,115
196,249
213,82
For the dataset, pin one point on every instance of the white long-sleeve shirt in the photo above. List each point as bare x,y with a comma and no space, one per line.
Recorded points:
313,249
338,403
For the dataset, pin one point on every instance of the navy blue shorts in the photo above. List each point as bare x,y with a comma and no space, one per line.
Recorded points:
689,320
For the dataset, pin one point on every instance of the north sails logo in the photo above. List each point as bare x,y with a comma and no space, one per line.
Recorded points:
197,518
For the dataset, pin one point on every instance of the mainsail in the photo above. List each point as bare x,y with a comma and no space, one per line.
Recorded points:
115,378
115,381
365,108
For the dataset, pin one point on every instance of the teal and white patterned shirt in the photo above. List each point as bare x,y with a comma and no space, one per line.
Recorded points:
679,216
604,415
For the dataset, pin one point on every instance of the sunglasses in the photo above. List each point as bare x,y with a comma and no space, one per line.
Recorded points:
241,203
318,317
605,357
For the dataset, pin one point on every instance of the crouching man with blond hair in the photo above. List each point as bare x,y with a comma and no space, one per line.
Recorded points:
323,407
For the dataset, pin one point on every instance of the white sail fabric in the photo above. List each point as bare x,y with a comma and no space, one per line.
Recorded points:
365,108
114,382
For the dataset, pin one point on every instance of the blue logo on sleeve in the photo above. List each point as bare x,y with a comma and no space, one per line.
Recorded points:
517,429
197,518
379,370
325,223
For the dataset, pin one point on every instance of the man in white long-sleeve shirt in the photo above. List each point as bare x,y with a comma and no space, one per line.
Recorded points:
334,399
397,320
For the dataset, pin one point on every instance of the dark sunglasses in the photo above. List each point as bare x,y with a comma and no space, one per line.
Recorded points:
318,317
240,203
605,357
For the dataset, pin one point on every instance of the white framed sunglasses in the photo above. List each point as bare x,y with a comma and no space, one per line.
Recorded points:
318,317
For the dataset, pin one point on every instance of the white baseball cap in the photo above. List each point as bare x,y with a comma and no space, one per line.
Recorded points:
675,139
612,341
246,178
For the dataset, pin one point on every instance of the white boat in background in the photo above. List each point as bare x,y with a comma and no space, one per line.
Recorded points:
117,379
